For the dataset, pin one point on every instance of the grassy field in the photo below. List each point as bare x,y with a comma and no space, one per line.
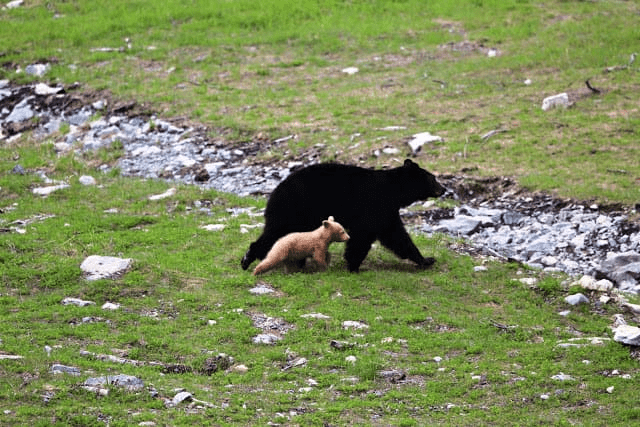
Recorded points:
447,346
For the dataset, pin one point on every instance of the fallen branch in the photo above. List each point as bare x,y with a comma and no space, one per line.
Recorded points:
591,88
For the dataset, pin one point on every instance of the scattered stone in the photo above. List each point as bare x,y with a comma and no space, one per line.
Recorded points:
479,268
10,357
576,299
14,4
18,170
419,139
261,289
128,382
181,397
352,324
43,89
350,70
393,375
315,316
560,100
104,267
45,191
351,359
627,334
240,369
562,377
62,369
268,339
87,180
170,192
214,227
37,70
77,301
110,306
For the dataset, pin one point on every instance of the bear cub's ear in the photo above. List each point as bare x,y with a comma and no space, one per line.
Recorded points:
326,222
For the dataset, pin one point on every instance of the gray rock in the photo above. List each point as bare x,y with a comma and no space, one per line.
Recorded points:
268,339
576,299
181,397
77,301
37,70
21,112
62,369
128,382
627,334
103,267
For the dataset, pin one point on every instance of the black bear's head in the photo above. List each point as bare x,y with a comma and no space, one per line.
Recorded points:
418,183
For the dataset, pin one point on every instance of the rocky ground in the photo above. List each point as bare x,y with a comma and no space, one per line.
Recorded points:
496,216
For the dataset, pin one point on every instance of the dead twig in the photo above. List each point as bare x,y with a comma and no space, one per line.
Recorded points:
591,88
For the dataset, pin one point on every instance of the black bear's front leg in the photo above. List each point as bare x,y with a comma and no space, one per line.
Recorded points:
357,248
398,240
259,248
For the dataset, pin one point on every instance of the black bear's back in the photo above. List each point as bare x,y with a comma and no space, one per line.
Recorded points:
306,197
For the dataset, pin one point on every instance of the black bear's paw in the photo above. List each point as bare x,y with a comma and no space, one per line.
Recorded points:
427,262
246,261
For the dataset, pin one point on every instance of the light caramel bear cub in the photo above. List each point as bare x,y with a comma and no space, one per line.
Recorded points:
295,247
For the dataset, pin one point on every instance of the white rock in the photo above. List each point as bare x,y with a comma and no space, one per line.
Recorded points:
44,89
588,282
77,301
627,334
576,299
10,357
354,325
103,267
562,377
261,290
419,139
266,339
110,306
13,4
170,192
181,397
45,191
213,227
530,281
240,369
634,308
390,150
610,389
350,70
315,316
560,100
479,268
350,359
87,180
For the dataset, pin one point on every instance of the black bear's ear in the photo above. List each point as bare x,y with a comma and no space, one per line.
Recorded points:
408,163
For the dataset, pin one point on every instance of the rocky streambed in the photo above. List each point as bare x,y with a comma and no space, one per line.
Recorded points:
495,216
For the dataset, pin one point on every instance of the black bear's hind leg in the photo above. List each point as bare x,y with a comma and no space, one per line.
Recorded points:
356,250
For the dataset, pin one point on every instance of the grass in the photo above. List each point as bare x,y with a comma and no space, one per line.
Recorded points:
474,347
254,69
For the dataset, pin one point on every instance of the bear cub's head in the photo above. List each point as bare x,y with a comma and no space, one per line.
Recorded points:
335,230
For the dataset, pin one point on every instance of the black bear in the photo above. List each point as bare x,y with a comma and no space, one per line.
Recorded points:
364,201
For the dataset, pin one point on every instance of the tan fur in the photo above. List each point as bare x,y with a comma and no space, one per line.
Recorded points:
293,247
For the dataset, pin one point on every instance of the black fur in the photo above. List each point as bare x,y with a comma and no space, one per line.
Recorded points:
364,201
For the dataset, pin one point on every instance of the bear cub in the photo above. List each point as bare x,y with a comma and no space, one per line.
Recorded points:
294,248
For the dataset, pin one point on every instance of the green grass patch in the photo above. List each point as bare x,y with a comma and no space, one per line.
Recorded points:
470,348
